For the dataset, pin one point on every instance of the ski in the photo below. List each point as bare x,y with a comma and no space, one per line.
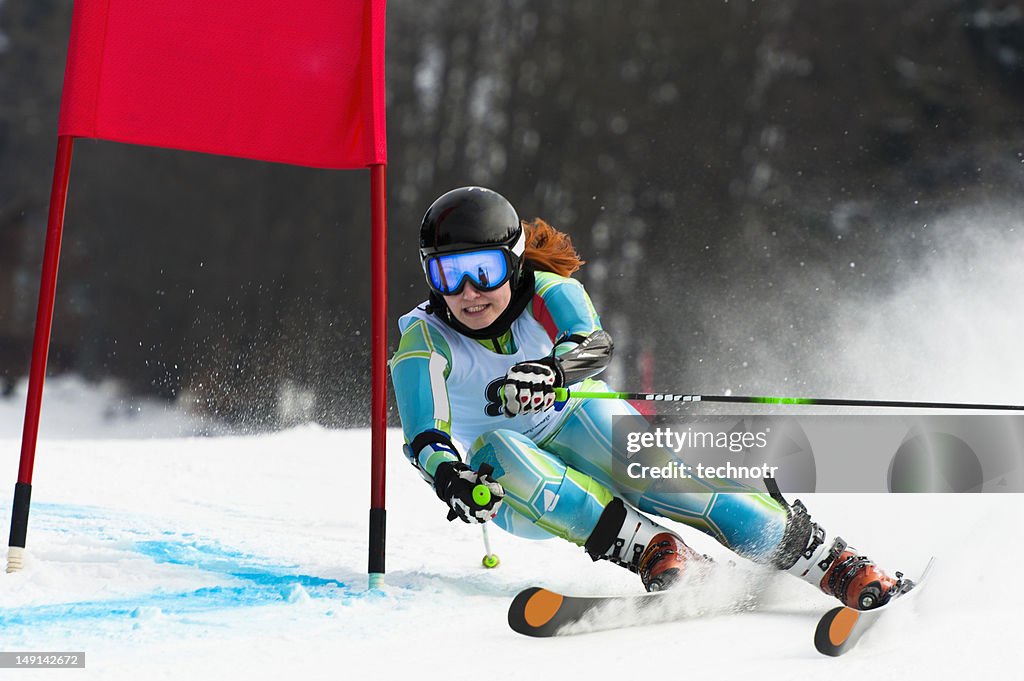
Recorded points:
840,628
540,612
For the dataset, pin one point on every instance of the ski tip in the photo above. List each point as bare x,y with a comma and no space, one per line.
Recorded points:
834,630
532,611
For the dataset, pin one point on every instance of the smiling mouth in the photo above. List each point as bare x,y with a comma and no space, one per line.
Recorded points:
474,309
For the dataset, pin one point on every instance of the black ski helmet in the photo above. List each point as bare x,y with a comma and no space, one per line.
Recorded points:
469,218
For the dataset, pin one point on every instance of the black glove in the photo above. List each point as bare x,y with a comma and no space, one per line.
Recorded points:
529,387
473,496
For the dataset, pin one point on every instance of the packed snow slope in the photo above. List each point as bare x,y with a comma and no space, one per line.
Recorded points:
244,557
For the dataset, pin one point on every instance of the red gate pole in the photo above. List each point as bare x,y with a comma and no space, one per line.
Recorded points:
40,351
378,395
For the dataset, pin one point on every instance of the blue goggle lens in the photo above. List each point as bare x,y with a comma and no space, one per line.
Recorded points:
448,273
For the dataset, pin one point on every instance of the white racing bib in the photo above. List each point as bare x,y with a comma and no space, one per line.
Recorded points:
469,396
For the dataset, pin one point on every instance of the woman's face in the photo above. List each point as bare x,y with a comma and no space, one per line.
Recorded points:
478,309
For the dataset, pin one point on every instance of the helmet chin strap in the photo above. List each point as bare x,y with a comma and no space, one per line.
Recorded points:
522,294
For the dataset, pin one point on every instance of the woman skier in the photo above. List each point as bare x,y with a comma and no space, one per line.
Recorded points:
474,376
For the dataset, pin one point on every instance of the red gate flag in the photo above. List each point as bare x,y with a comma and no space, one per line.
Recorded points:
287,81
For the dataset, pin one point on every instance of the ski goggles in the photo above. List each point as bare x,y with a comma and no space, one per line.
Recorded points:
487,269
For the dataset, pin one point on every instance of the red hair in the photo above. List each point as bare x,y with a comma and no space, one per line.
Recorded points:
550,250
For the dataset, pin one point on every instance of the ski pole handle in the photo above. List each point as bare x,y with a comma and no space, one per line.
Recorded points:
482,493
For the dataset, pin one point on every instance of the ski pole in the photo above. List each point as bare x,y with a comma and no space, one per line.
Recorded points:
563,395
482,496
490,560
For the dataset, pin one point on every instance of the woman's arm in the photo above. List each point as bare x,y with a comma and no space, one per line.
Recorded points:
564,308
581,347
419,371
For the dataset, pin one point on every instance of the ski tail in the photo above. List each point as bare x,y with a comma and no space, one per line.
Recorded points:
539,612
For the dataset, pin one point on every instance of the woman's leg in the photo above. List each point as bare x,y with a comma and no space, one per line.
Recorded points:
543,494
749,522
753,524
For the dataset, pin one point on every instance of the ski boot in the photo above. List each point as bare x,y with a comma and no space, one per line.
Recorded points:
857,582
627,538
664,561
837,569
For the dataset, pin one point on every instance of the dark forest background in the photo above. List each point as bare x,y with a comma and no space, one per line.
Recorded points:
702,154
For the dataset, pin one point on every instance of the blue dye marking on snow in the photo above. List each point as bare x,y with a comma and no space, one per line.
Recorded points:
252,586
249,582
181,603
213,558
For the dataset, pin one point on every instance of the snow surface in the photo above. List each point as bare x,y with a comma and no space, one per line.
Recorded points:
244,557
